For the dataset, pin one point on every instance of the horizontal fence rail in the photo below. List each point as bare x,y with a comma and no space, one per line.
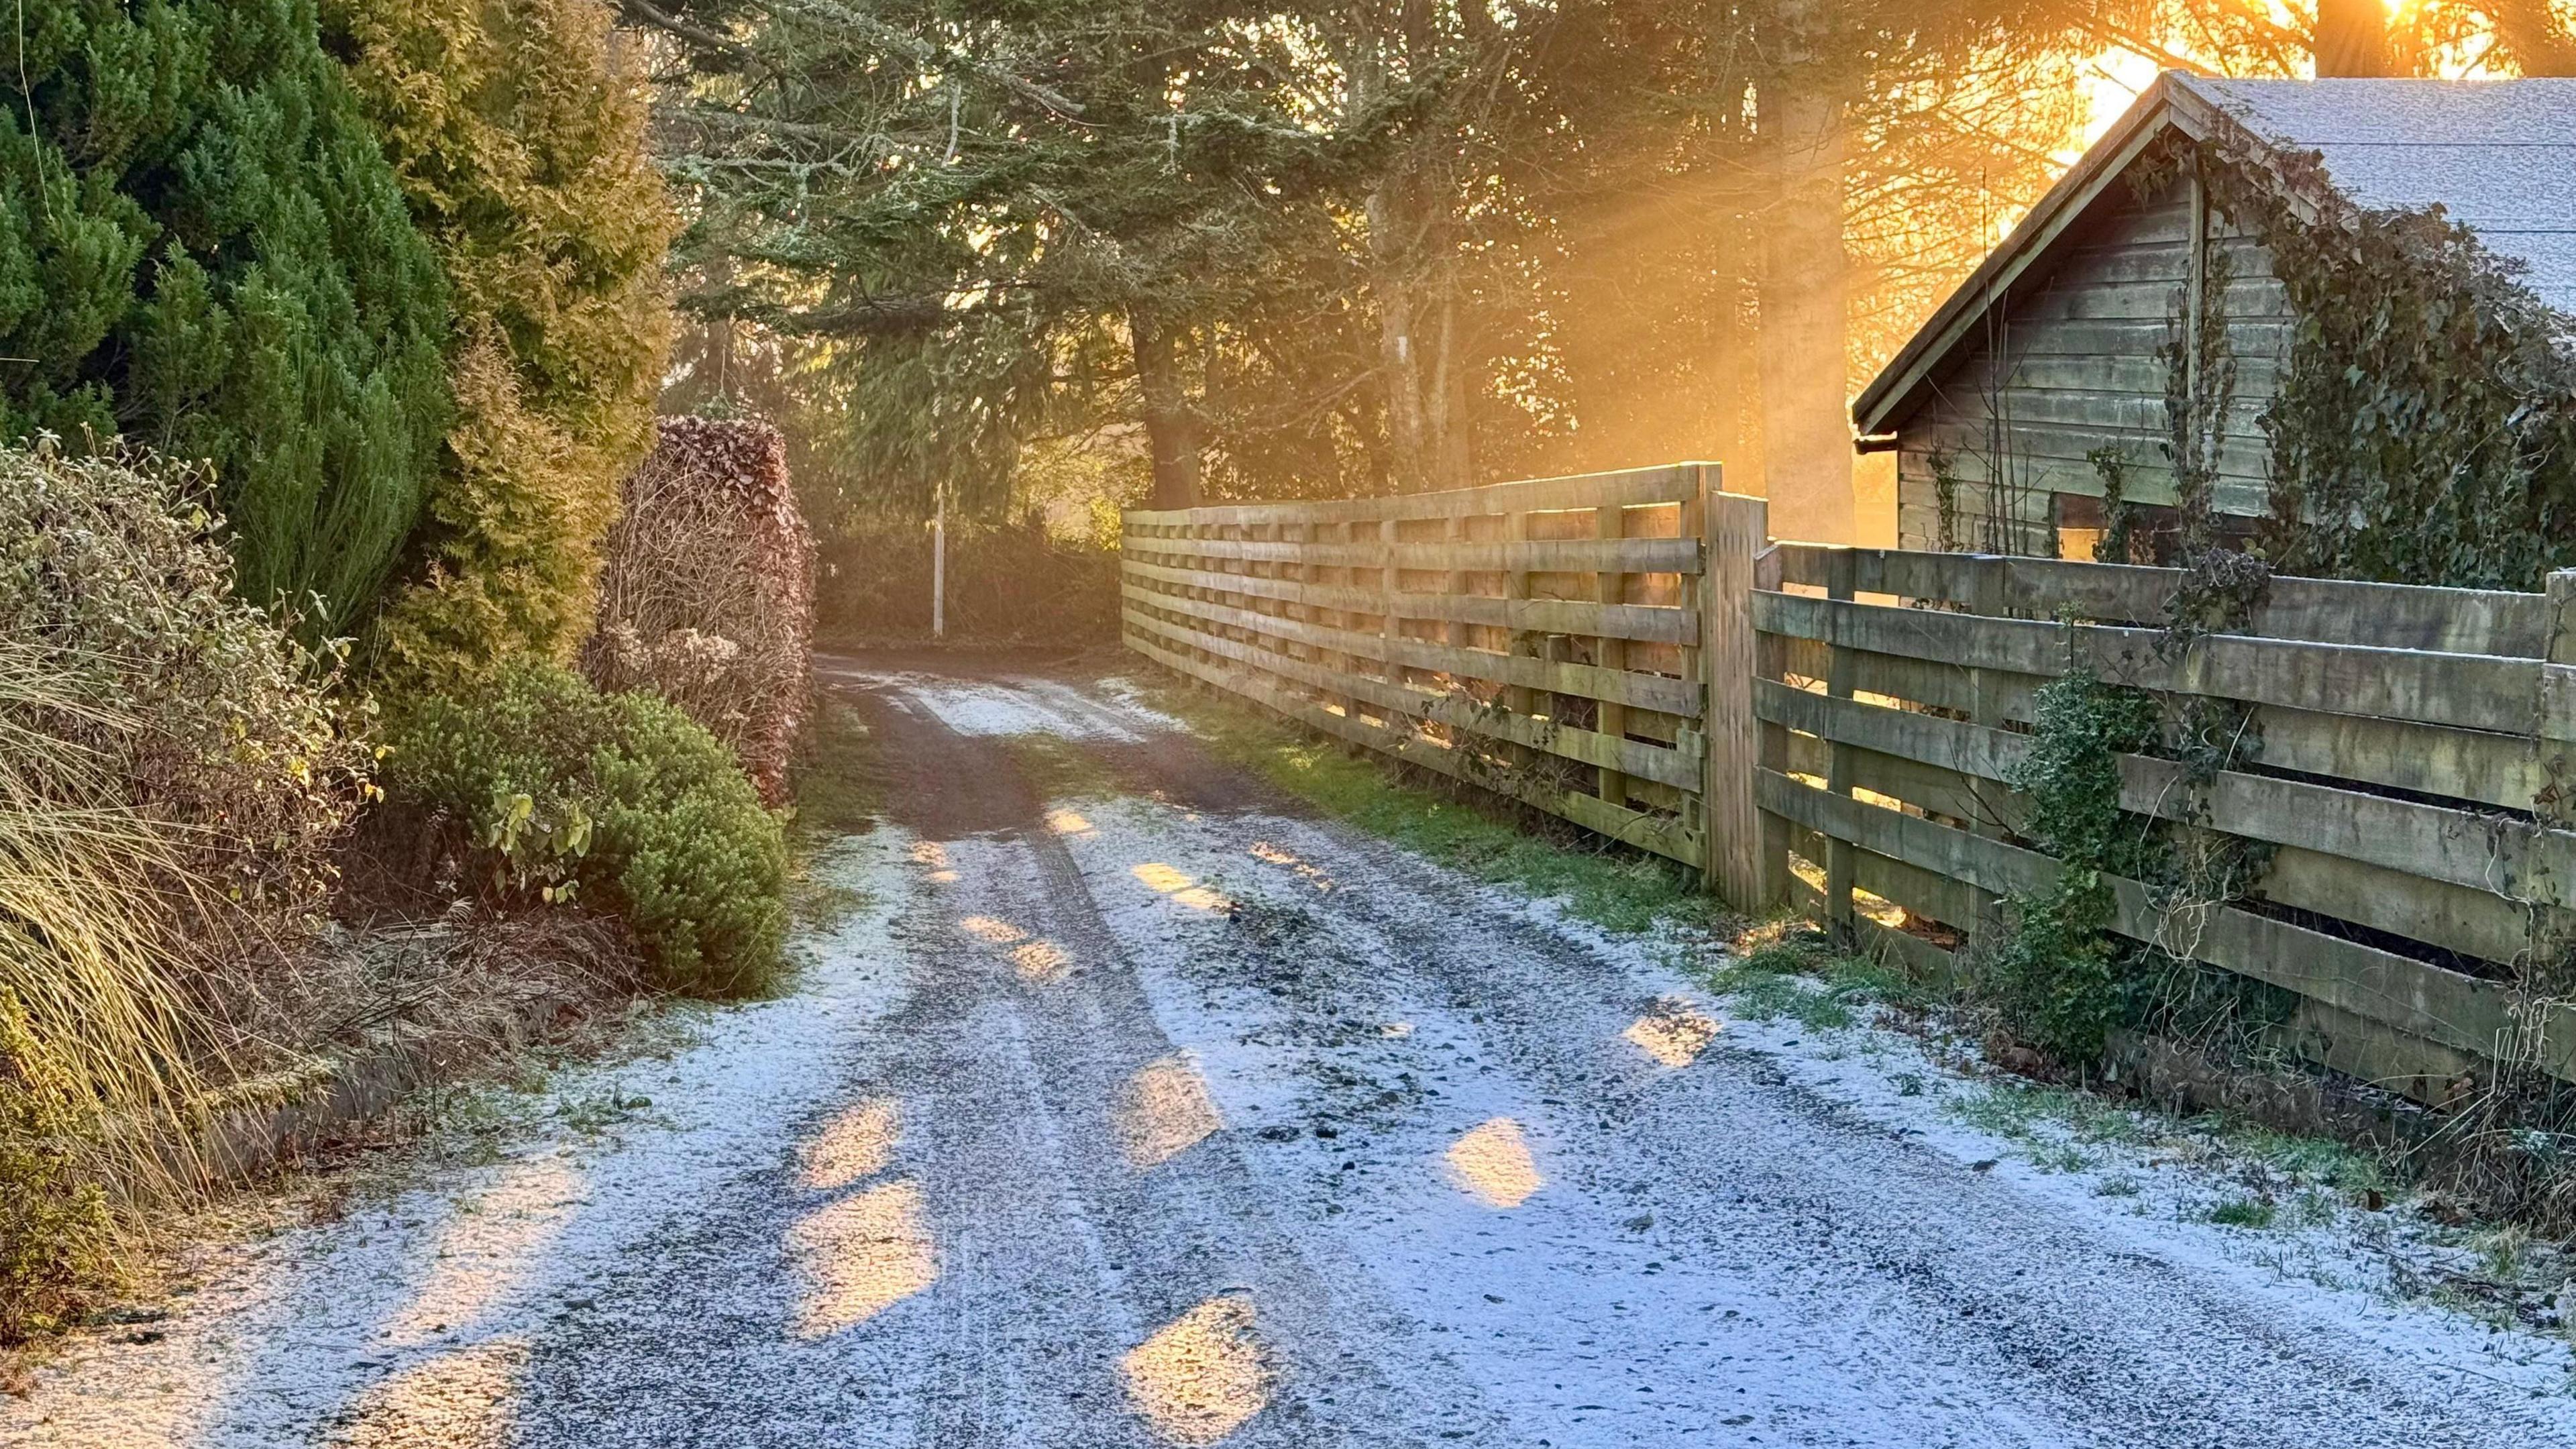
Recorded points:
2401,755
1838,728
1544,639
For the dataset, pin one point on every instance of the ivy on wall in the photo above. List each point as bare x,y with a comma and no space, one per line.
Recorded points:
2424,431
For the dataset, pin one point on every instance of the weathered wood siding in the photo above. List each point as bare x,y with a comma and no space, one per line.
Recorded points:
2079,359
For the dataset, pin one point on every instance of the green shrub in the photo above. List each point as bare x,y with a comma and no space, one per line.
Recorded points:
517,131
202,249
2063,981
55,1229
542,788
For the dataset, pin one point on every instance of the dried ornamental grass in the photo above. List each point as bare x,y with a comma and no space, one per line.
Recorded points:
173,777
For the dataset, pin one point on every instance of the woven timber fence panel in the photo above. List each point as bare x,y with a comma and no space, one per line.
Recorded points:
2405,754
1543,639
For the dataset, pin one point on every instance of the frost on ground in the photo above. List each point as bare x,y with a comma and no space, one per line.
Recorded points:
1170,1116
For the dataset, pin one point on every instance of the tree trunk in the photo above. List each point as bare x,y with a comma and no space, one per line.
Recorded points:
1804,296
1399,351
2352,38
1172,427
1453,462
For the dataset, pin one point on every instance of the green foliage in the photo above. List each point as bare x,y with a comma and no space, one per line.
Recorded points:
552,791
202,249
520,147
56,1234
2424,430
2061,979
117,595
2244,1212
1618,891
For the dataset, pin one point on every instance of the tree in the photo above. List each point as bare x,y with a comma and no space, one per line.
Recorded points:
202,249
518,131
1000,214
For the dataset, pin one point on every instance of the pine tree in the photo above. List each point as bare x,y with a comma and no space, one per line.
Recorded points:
519,140
202,249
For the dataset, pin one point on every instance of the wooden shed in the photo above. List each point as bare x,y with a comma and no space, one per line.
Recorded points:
2067,363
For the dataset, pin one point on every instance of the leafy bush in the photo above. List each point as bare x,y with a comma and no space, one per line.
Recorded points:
521,148
708,595
116,591
540,787
2062,979
173,778
204,251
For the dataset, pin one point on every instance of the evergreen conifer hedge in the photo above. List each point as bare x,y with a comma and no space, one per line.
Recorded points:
203,249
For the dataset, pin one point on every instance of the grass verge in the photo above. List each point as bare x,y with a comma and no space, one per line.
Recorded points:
839,780
1611,886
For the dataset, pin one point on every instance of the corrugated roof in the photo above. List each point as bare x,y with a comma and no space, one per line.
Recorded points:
2498,156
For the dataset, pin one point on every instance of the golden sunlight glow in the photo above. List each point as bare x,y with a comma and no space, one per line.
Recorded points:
1159,877
1065,822
859,1256
990,931
461,1400
488,1248
858,1143
1164,1111
1164,880
1270,854
1201,1377
934,856
1673,1032
1039,961
1493,1164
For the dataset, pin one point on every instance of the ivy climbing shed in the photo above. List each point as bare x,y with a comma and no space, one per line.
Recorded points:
2332,315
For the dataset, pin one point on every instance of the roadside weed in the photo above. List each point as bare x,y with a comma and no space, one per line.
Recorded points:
2243,1212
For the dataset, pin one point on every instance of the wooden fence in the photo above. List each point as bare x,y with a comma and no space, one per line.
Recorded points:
1544,639
2401,753
1835,727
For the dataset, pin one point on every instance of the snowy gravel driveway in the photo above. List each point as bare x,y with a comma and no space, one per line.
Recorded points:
1179,1118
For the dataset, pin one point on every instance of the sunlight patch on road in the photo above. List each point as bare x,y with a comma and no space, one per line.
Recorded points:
1201,1377
1492,1163
858,1143
1164,880
934,856
1269,854
1673,1032
1164,1111
1065,822
860,1256
990,931
488,1247
467,1399
1039,960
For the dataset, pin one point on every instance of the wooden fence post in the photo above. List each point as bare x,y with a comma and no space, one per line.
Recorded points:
1610,587
2558,723
1839,584
1747,851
